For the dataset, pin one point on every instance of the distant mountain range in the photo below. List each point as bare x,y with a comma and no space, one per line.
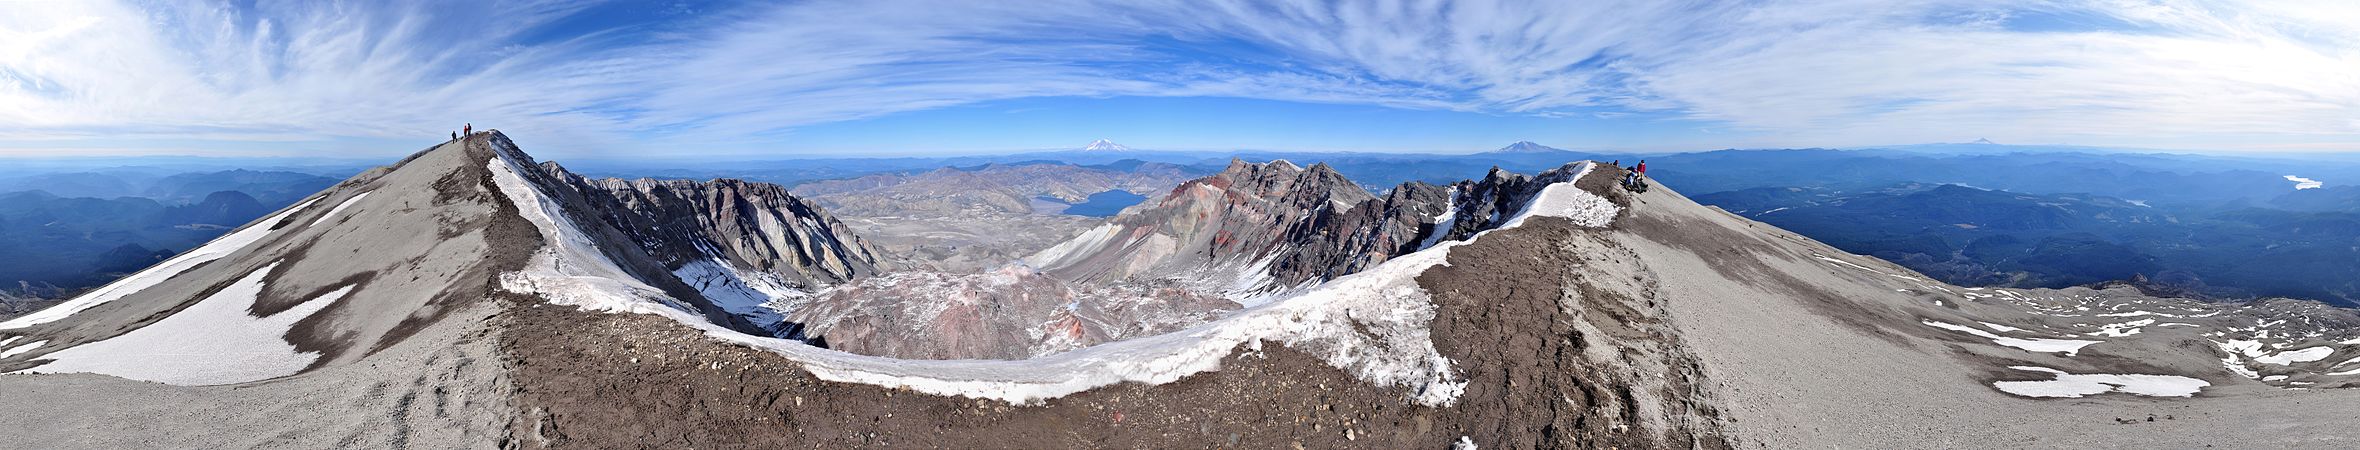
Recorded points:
1979,237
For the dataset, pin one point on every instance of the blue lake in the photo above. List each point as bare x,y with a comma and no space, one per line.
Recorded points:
1102,204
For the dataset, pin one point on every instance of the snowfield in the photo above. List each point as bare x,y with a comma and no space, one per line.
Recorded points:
2070,385
1371,323
216,249
212,342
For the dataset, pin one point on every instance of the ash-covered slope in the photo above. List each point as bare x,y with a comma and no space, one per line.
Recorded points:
362,266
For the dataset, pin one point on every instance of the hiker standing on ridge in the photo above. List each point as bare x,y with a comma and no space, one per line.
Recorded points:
1642,169
470,128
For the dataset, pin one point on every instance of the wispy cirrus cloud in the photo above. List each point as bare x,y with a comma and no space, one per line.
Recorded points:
735,75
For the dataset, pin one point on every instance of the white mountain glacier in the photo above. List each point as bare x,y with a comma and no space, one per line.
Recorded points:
1103,145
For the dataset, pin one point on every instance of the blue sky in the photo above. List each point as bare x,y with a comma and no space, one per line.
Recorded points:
724,79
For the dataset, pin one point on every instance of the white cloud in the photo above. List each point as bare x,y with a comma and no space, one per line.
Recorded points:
1786,73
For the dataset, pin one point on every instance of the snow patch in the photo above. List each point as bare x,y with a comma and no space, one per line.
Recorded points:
216,249
212,342
1443,222
339,208
1570,202
23,349
2001,328
2068,346
2124,329
2296,356
741,293
2301,183
2071,385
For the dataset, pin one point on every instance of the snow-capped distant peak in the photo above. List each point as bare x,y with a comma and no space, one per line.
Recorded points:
2301,183
1526,147
1983,141
1103,145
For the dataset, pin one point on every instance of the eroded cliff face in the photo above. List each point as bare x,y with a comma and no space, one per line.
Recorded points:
757,226
1259,229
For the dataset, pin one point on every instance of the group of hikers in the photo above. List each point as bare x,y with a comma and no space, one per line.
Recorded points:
1633,177
464,130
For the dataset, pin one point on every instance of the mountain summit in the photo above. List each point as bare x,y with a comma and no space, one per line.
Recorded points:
1103,145
1527,147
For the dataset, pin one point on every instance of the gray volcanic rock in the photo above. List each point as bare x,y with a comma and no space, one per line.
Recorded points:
1010,313
1258,229
752,225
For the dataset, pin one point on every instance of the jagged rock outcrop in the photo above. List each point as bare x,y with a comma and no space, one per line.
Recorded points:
1257,229
750,225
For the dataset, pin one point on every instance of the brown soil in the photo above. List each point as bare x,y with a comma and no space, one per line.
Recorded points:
1526,344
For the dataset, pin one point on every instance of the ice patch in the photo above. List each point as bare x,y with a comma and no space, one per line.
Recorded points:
2068,346
1464,443
2301,183
216,249
212,342
2071,385
22,350
339,208
1372,323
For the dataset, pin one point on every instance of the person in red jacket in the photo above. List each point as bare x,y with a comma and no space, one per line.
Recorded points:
1642,167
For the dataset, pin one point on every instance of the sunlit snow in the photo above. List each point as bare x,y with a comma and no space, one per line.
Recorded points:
2068,346
212,342
2072,385
2301,183
339,208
